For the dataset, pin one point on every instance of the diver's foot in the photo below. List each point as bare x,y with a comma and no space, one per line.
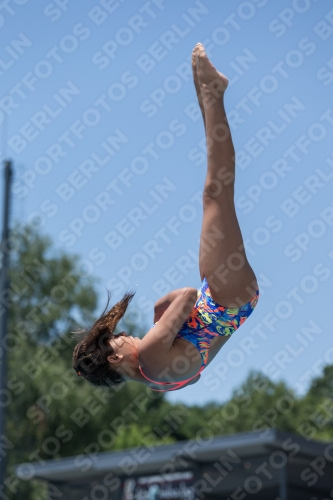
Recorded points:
211,82
197,82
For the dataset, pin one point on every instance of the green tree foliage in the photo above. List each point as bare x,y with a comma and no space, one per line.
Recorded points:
53,413
315,421
48,293
260,404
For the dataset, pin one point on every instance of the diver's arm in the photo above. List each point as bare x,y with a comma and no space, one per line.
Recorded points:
162,304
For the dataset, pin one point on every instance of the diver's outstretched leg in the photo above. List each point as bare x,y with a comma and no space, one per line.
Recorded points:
222,259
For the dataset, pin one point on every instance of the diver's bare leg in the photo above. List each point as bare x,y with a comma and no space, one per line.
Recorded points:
222,257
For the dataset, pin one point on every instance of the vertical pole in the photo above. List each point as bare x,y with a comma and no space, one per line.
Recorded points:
4,287
283,491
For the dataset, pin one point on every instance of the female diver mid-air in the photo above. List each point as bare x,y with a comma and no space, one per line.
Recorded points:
191,325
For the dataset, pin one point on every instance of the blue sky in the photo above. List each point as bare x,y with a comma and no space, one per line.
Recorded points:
99,115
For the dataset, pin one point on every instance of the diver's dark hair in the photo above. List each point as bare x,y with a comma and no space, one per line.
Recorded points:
91,353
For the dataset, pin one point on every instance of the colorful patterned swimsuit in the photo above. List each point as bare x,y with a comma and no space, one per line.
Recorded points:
206,321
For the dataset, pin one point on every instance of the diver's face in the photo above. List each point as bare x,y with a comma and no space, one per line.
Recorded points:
125,356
